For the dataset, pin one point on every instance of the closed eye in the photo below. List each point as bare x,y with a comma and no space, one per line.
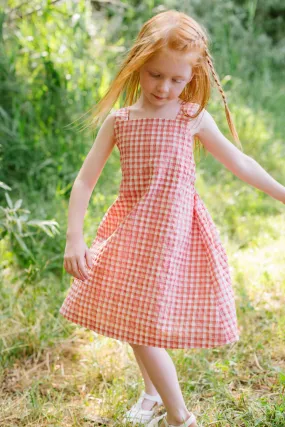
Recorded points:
158,75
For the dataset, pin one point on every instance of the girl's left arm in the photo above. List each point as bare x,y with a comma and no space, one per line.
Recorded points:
243,166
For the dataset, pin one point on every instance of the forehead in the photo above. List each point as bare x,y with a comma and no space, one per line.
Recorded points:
172,62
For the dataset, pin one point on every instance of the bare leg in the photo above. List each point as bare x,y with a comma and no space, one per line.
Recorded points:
162,373
149,387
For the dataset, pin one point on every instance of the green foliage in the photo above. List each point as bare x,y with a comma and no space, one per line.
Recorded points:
15,226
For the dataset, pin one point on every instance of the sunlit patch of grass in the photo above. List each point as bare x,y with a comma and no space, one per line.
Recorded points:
78,377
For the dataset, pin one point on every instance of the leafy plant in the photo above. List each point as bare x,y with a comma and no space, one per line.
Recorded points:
16,225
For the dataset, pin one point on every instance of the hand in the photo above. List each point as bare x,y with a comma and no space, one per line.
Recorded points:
76,255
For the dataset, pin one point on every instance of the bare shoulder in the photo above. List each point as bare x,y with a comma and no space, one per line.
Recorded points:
218,145
206,121
105,136
107,127
109,121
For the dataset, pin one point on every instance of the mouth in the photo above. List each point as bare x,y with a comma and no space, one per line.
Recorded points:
157,97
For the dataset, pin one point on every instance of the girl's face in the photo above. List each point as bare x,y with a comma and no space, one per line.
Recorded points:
164,76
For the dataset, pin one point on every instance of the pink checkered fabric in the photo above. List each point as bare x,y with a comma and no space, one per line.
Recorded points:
160,274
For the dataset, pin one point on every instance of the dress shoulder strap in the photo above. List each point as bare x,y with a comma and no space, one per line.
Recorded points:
189,109
121,114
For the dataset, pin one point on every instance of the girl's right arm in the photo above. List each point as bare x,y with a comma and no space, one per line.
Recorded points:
76,250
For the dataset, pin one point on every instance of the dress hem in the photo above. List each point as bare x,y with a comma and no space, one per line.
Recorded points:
145,342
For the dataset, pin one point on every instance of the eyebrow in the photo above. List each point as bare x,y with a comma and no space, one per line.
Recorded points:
155,69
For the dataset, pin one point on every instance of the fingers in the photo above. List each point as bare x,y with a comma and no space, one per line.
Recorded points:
67,265
76,268
82,269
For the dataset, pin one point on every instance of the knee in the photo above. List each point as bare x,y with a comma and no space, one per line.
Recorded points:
139,346
135,345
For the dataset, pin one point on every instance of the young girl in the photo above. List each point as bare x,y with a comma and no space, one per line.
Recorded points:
157,274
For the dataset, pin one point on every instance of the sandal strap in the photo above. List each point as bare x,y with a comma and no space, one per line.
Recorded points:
155,398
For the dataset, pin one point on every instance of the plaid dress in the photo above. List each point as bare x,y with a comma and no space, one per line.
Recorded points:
160,275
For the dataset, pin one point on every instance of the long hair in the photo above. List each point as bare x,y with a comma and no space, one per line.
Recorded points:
176,31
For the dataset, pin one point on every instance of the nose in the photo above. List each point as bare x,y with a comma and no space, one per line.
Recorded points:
162,87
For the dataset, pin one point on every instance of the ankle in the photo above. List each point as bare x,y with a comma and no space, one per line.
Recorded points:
177,418
151,391
147,402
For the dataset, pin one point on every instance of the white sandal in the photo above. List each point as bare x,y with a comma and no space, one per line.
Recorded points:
137,415
154,422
